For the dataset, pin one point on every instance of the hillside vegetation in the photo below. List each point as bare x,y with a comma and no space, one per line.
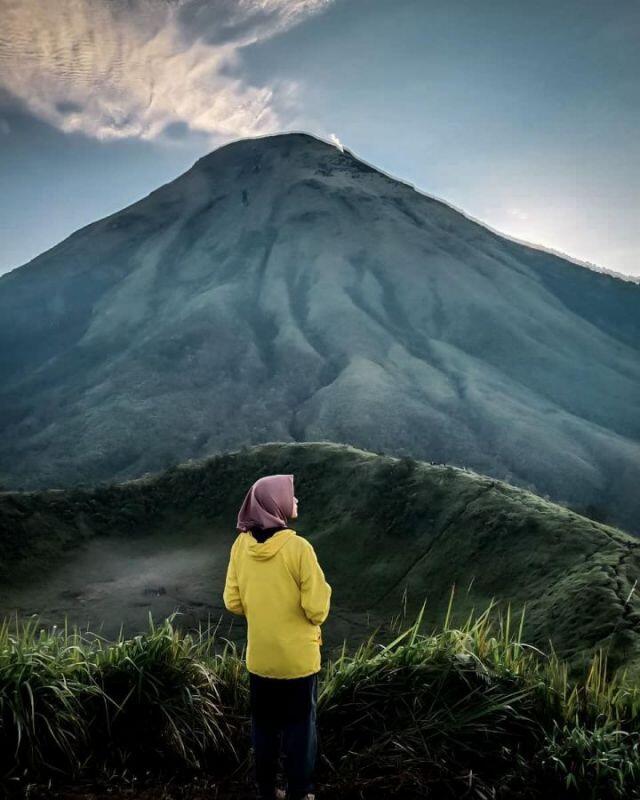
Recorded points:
390,533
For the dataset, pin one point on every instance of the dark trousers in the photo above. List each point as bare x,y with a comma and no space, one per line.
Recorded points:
283,717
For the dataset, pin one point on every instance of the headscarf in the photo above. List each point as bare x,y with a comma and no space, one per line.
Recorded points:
268,503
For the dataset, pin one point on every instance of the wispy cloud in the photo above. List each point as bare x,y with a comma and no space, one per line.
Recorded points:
144,68
336,141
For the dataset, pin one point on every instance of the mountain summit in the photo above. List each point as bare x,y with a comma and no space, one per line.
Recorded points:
281,289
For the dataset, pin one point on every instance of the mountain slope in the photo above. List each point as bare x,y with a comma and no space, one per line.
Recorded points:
283,290
381,526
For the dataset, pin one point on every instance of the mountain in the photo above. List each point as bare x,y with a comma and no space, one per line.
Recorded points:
283,290
385,530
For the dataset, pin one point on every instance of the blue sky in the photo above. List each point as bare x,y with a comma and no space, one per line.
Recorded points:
524,115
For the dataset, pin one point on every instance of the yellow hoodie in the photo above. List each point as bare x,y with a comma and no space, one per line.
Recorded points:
280,588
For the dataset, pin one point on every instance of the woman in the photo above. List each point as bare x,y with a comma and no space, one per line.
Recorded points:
275,580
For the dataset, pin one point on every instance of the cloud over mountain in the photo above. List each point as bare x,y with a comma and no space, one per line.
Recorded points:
118,69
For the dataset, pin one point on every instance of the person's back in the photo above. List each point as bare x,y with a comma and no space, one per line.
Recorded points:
285,599
275,580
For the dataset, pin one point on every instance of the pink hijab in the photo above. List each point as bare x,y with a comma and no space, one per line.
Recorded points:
268,503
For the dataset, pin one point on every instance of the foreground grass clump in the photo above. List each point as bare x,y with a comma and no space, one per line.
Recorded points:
467,711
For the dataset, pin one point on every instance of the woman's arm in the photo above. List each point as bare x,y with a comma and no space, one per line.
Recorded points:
315,592
231,594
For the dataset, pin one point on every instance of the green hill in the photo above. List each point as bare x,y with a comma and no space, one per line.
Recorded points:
389,533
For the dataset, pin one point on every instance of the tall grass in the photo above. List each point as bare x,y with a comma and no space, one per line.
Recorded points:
466,711
69,699
475,711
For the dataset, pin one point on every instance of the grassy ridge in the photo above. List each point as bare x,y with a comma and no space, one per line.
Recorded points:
386,530
467,711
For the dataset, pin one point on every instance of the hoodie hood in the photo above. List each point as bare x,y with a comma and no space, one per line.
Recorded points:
262,551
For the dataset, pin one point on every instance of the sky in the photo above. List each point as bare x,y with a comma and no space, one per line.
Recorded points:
526,116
